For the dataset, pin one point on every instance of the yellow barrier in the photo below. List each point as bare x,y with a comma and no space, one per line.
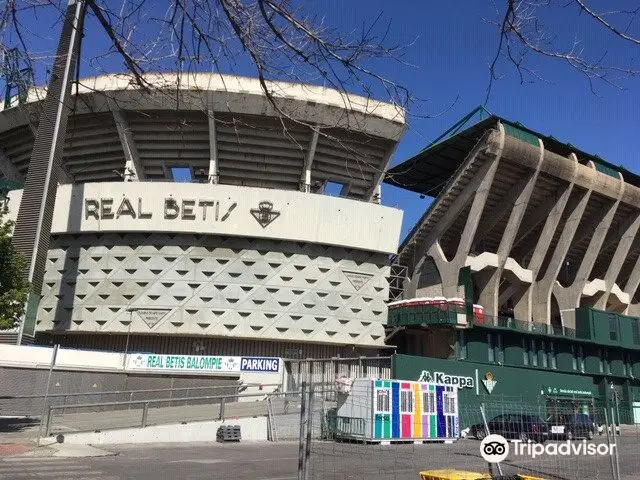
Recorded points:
453,474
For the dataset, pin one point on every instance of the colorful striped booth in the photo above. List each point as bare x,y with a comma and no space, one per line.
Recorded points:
397,410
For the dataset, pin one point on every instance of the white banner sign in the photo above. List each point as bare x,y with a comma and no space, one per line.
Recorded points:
202,363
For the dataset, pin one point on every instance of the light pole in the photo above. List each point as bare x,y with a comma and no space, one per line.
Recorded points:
33,225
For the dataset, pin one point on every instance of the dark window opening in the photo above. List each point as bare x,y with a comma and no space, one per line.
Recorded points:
635,331
613,328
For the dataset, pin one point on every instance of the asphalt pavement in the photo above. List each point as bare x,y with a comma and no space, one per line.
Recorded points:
329,461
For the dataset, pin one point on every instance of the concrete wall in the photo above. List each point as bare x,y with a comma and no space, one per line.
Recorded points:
300,217
24,372
252,429
316,273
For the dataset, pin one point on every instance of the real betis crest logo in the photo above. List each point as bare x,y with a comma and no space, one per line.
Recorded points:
489,382
264,214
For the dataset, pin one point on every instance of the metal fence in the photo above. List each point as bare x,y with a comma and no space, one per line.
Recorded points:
611,450
63,419
31,405
325,370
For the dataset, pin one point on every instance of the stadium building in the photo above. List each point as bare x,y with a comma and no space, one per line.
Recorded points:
204,217
523,274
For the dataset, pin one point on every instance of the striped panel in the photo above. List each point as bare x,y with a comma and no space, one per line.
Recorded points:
386,421
395,410
433,432
378,425
407,419
454,424
441,430
417,412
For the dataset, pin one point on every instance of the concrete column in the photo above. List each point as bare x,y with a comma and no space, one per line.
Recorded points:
449,270
483,177
542,289
133,168
631,287
373,194
630,229
305,178
213,175
552,211
504,206
569,297
489,293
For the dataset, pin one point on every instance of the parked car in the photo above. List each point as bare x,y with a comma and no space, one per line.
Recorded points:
571,425
523,427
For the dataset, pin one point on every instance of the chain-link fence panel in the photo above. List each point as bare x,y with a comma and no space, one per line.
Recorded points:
563,439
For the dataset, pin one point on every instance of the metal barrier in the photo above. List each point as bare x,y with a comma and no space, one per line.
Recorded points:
29,405
326,370
225,406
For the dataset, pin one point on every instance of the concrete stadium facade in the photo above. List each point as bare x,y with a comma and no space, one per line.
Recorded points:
251,256
543,228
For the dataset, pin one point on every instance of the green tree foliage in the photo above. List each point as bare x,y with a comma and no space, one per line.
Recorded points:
13,287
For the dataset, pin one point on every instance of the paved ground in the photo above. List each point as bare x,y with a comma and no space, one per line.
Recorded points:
330,461
164,461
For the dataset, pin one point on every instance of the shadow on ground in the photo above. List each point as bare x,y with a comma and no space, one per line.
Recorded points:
11,425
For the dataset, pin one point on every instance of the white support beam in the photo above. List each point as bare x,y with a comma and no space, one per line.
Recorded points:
450,215
133,168
518,199
374,192
214,175
504,205
305,178
8,169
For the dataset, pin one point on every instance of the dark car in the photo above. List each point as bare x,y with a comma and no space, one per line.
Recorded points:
523,427
571,425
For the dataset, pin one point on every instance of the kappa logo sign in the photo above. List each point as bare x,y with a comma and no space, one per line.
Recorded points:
446,379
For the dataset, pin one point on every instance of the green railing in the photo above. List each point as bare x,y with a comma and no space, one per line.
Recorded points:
526,327
350,426
414,315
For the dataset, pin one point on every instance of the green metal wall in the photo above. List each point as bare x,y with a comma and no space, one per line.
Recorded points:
520,389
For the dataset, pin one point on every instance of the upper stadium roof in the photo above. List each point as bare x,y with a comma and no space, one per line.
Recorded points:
192,121
428,171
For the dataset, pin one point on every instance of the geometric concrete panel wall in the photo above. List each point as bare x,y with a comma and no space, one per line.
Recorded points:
214,286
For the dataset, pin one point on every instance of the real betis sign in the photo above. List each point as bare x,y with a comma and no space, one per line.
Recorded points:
202,363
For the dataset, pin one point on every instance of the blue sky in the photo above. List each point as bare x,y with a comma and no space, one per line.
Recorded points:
449,49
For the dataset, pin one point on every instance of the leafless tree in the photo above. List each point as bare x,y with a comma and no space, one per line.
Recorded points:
282,40
523,33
